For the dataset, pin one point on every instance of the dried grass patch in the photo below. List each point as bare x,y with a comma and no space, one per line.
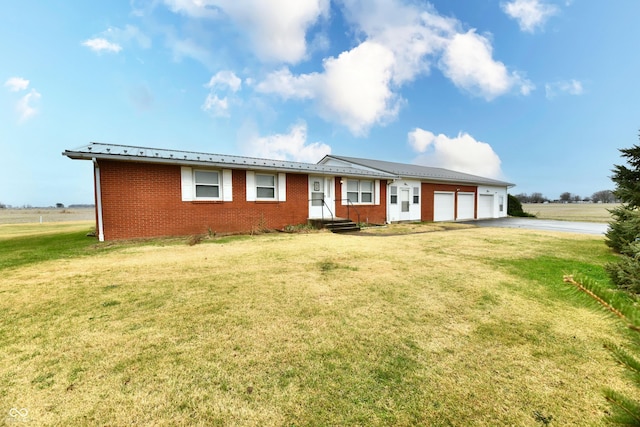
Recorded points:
309,329
589,212
8,231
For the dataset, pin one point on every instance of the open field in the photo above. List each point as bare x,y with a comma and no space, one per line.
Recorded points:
450,328
590,212
46,215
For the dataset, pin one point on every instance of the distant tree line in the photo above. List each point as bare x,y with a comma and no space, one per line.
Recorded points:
58,205
603,196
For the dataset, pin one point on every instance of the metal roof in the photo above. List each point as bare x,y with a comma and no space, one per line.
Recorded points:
97,150
416,171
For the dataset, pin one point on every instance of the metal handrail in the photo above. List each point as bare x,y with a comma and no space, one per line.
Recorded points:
349,204
324,204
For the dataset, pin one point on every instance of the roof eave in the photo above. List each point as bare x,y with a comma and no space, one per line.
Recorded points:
303,167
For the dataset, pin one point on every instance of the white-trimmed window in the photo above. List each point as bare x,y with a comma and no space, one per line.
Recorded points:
416,195
501,203
393,195
266,186
206,184
361,191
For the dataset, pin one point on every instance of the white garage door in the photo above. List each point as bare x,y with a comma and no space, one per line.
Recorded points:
465,205
485,206
443,207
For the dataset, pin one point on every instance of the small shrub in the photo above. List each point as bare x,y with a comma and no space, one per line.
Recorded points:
298,228
514,207
194,240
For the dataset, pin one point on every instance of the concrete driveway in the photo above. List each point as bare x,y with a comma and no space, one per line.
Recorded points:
544,224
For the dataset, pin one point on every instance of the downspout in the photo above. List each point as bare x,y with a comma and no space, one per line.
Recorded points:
96,169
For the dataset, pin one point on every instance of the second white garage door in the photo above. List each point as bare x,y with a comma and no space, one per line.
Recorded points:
466,205
443,206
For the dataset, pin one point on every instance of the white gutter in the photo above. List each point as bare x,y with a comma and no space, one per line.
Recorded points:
96,169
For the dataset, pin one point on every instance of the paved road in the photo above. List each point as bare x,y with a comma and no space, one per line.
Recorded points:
544,224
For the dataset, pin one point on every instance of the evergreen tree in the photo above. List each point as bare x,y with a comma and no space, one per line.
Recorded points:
627,179
626,411
624,231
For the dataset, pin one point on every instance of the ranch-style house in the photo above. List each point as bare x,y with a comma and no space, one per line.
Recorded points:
151,192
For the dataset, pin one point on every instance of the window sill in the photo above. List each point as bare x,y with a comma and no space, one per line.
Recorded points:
206,202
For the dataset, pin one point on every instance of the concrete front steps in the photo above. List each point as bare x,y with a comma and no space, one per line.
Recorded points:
336,225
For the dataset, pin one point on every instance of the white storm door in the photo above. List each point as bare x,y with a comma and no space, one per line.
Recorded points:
321,203
405,204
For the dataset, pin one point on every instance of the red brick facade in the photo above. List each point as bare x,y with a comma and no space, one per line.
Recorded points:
428,190
145,200
372,214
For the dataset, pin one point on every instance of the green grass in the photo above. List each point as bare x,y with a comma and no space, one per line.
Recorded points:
21,251
458,328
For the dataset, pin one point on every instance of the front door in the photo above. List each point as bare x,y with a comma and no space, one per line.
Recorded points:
404,204
321,203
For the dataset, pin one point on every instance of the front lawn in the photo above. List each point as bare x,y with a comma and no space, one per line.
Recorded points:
461,327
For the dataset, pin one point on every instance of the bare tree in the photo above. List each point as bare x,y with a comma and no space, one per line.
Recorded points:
565,197
603,196
537,198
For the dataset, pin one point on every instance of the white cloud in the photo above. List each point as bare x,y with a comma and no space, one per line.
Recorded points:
126,35
289,146
102,45
360,87
288,86
570,87
530,14
194,8
27,105
462,153
16,84
215,106
225,79
188,48
276,29
468,62
222,81
414,35
354,89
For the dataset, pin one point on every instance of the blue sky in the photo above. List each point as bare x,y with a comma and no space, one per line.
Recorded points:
540,93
